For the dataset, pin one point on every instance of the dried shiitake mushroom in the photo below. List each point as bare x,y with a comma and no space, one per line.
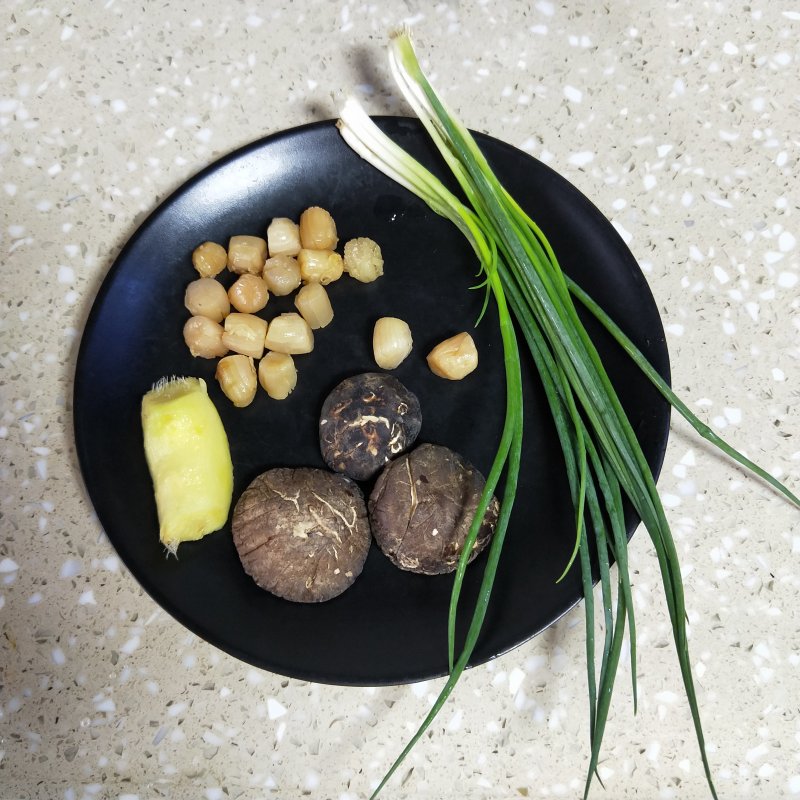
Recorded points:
302,534
367,420
422,506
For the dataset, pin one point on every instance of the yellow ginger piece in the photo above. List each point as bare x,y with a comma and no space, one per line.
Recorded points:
189,460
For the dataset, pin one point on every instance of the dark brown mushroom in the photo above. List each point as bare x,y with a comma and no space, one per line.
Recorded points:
422,506
302,534
367,420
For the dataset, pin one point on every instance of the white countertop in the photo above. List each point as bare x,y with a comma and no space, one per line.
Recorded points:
679,121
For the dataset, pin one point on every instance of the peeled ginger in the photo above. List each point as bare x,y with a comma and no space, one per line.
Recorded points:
189,460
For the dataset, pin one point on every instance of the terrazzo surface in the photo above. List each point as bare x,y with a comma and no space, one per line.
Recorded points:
679,120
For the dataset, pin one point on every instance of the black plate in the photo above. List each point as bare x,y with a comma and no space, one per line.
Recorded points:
390,626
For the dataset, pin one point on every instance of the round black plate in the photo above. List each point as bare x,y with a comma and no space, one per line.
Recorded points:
390,626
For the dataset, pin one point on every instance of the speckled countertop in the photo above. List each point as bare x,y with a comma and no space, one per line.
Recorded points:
678,119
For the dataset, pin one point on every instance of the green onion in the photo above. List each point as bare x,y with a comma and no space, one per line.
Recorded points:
604,461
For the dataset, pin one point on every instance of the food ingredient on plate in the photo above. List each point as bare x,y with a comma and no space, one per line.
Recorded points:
604,460
246,254
206,297
189,460
302,534
363,259
203,337
454,358
314,305
249,293
209,259
322,266
277,375
283,237
422,507
317,229
293,255
282,274
365,421
391,342
236,375
289,333
245,334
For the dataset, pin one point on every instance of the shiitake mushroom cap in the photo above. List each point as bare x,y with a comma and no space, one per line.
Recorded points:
367,420
302,533
422,506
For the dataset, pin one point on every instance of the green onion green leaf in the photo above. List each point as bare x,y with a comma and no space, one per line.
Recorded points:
604,462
